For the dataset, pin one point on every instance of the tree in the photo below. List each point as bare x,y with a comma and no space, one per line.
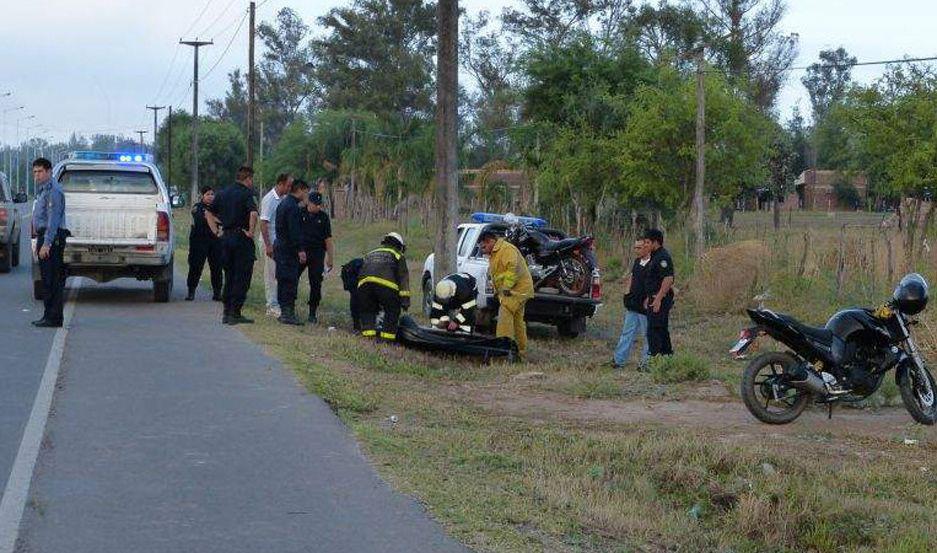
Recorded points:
233,107
827,83
665,32
221,149
377,56
747,42
799,141
550,23
447,163
779,165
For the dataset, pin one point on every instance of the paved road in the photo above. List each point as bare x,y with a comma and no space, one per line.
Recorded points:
172,433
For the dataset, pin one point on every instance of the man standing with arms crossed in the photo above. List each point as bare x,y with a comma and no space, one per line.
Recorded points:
268,233
513,285
49,225
635,322
236,209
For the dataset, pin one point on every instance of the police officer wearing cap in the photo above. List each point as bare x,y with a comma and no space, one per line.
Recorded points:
384,285
236,209
658,284
317,239
454,302
289,250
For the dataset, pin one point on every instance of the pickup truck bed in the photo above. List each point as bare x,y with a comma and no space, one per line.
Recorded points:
12,209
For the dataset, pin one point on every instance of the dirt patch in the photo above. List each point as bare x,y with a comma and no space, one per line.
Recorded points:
724,417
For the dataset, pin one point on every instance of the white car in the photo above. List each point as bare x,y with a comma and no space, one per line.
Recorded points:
118,211
568,314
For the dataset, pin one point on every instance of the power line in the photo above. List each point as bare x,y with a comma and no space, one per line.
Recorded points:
861,63
218,17
226,48
199,18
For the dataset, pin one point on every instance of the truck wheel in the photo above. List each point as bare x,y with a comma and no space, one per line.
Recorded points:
162,290
6,260
571,328
162,284
15,255
427,295
39,291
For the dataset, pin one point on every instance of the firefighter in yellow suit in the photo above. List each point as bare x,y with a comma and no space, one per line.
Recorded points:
510,277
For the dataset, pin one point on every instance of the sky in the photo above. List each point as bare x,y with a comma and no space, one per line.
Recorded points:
93,65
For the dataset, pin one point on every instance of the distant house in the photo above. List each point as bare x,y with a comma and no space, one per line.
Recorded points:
826,190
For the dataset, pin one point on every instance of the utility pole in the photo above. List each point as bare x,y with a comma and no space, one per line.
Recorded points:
447,128
251,88
169,146
195,44
142,147
699,196
155,129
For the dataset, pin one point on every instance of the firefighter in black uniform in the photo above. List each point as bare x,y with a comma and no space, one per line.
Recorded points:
236,209
289,250
658,284
204,245
454,301
317,238
384,285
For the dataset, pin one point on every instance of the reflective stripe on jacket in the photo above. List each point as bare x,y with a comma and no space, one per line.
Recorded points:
508,270
386,267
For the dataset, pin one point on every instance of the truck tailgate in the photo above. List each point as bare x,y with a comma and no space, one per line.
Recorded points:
96,218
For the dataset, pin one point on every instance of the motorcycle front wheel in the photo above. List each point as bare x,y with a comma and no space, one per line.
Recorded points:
765,392
574,279
917,392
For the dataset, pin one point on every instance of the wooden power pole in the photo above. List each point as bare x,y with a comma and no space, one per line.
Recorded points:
699,194
155,128
447,166
169,145
251,84
195,44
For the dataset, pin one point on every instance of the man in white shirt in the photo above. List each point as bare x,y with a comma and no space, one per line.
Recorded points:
268,214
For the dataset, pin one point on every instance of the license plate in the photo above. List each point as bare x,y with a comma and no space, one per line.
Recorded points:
100,250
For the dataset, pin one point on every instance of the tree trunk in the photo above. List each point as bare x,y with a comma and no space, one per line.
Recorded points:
447,178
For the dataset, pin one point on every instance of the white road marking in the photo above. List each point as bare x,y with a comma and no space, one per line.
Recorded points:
16,493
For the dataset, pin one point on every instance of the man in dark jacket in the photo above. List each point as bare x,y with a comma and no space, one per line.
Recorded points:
635,323
454,302
384,285
289,250
317,238
236,209
204,245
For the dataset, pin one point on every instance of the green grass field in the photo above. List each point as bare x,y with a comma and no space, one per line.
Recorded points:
563,454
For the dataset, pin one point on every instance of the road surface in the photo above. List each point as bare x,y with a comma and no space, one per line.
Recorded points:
170,432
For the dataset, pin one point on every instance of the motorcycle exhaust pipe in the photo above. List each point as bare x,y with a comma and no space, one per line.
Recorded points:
812,382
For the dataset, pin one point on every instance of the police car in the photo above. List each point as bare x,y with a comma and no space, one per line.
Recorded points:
118,211
568,314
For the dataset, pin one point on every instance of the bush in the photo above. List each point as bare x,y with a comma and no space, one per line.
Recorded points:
680,367
713,289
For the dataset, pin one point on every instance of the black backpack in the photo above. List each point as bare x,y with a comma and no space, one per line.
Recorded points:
350,272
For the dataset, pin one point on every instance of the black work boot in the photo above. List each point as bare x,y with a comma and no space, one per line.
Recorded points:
226,318
312,317
216,296
238,319
288,316
191,295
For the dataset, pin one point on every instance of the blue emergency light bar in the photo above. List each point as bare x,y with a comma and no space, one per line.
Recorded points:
508,218
122,157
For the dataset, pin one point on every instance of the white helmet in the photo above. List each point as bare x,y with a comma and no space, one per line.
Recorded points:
395,237
445,289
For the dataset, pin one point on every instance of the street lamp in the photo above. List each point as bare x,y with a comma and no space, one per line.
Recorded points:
19,147
3,115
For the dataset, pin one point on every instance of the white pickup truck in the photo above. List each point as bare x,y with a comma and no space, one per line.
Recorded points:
118,211
12,210
567,313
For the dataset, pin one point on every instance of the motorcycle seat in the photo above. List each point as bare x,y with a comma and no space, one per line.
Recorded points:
550,246
821,335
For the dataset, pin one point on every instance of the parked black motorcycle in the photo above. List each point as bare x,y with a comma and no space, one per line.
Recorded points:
566,265
846,361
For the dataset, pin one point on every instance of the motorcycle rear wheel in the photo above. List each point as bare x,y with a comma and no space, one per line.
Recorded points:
756,385
918,395
574,279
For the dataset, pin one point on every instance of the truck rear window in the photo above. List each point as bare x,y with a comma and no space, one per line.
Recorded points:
109,182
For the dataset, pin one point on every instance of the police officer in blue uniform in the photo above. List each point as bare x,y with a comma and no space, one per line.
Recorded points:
236,209
658,284
317,237
49,224
204,245
289,250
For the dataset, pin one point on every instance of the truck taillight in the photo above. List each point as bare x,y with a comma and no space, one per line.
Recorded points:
596,292
162,226
4,216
